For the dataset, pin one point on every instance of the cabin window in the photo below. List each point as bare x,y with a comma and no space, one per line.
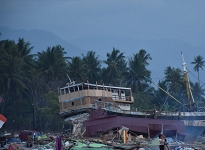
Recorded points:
80,88
66,90
72,103
71,89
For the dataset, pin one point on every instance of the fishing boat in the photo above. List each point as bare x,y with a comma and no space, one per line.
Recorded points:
103,107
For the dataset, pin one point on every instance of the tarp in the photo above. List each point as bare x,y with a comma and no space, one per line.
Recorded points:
91,146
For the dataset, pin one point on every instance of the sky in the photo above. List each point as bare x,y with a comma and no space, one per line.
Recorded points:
140,19
71,19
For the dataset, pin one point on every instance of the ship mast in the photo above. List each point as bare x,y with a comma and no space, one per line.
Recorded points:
186,80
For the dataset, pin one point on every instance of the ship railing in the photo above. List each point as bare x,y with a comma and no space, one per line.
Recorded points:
131,112
122,98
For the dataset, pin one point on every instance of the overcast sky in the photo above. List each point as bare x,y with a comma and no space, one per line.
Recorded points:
141,19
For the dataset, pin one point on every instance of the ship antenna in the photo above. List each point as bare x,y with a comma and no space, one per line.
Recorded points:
69,80
187,83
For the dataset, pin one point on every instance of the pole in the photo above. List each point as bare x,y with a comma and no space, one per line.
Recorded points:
34,117
34,127
188,87
163,90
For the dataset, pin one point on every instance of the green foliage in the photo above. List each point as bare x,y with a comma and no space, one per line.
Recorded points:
76,69
174,79
28,83
116,64
136,74
198,92
14,70
51,64
143,101
199,64
48,116
92,66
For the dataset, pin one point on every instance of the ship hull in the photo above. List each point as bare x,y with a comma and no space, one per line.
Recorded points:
101,120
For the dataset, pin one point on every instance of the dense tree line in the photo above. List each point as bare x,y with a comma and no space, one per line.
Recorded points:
29,82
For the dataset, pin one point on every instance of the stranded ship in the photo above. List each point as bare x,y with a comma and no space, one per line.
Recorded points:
100,108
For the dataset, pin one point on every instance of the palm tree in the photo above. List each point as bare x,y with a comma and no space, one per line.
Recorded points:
92,65
51,64
24,51
51,68
160,96
199,63
24,48
176,86
115,65
137,71
198,92
76,69
49,73
14,70
174,79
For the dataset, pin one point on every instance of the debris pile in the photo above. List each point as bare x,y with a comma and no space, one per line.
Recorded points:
113,139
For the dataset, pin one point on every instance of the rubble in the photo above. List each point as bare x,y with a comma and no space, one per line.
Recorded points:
105,141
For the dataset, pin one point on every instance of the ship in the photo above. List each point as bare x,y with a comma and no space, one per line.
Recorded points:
101,108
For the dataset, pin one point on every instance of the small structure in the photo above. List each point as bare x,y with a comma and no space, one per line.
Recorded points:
86,95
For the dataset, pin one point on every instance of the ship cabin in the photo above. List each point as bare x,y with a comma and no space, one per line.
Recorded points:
86,95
